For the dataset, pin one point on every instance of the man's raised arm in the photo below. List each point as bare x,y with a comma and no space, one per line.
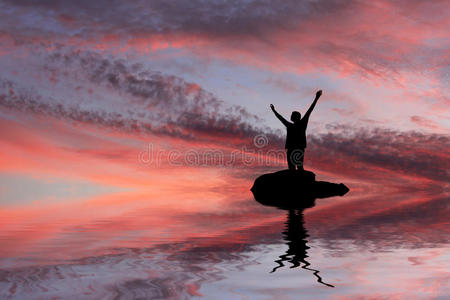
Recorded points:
280,117
308,113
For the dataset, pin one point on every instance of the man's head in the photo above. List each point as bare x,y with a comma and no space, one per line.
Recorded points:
295,116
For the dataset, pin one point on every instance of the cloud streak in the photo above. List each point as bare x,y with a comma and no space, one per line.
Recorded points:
145,101
392,52
186,114
336,35
408,153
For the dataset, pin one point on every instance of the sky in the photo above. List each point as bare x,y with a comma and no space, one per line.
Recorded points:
109,106
105,94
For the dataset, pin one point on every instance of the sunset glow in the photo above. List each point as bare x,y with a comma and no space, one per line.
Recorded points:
132,131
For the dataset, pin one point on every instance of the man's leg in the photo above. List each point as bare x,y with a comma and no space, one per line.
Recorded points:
302,157
295,157
291,165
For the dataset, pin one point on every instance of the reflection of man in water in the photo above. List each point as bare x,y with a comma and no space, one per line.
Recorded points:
296,135
295,235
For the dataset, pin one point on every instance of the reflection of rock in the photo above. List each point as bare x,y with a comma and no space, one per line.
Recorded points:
293,189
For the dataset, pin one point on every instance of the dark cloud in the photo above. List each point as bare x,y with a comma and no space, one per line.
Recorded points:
409,153
320,33
153,103
148,102
163,99
213,18
194,128
354,153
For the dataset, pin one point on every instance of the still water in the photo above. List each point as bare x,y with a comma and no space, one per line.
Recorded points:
219,243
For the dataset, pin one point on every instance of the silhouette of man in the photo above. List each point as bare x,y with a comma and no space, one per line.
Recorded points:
296,135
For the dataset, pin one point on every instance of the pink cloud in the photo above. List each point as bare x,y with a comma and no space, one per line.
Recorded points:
424,122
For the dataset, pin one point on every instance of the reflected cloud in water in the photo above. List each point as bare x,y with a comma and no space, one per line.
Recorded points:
178,247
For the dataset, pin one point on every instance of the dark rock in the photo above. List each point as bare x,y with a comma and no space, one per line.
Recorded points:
293,189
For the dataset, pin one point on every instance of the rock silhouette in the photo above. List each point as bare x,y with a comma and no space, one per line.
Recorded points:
293,189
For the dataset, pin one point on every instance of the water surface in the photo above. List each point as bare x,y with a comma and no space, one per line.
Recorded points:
222,244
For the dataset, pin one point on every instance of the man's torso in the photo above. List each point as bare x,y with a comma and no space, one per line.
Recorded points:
296,135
